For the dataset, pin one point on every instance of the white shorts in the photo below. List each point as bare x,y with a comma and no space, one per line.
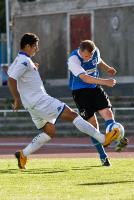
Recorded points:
46,110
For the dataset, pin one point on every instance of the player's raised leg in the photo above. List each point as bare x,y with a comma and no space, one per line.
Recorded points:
69,115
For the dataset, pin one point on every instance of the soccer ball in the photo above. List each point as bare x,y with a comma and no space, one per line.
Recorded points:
116,125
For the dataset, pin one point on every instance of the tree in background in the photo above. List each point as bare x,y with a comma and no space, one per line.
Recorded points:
2,17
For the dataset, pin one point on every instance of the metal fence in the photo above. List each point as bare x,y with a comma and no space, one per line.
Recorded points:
4,111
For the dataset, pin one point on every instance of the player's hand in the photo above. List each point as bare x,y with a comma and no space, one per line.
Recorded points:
111,71
16,104
110,82
37,65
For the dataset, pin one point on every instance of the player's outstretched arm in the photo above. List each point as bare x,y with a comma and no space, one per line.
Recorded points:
105,67
100,81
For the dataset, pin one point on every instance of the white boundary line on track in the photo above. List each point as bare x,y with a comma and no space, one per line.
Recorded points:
59,145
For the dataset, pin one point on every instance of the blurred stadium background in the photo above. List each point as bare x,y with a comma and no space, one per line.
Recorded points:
61,25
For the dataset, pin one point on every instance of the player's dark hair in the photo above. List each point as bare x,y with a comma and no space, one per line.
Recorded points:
28,38
87,45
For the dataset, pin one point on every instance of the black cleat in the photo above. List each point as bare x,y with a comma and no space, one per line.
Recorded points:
105,162
122,144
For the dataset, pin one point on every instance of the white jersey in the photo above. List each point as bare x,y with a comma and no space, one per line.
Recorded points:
29,83
42,107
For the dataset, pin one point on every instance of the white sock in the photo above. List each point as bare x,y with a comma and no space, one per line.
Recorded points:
36,143
87,128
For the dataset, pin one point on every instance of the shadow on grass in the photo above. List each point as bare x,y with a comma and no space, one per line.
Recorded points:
31,171
96,166
105,183
84,168
44,170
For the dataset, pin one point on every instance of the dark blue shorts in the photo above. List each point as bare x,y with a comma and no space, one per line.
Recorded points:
90,100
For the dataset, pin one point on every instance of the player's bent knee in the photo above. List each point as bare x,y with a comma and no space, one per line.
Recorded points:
74,115
51,133
68,114
49,129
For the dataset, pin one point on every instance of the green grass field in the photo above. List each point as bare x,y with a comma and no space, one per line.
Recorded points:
67,179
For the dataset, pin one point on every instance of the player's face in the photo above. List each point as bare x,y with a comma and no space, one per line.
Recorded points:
86,55
32,50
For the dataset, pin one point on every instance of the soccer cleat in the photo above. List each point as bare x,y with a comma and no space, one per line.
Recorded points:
105,162
111,136
21,159
122,144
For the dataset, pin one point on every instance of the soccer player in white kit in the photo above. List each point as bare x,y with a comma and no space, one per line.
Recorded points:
27,87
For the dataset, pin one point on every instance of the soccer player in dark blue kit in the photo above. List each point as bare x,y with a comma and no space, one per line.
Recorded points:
84,64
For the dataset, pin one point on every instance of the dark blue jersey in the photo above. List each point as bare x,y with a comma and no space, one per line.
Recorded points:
87,67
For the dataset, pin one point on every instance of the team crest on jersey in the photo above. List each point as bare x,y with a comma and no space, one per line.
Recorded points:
83,113
59,108
24,63
94,61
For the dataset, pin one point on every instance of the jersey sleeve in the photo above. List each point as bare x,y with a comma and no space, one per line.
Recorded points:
74,66
98,55
16,70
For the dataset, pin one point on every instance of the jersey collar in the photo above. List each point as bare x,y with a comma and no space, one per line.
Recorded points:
78,51
23,53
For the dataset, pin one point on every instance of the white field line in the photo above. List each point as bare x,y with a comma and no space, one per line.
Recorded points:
59,145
